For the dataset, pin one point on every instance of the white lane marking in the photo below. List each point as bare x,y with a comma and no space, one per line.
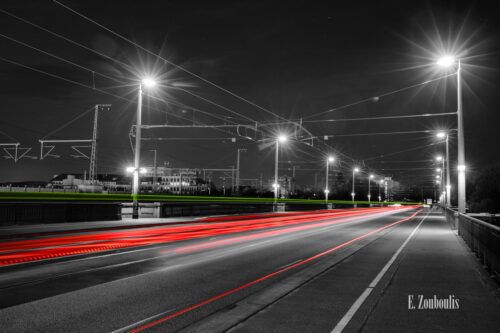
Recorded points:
357,304
140,322
290,264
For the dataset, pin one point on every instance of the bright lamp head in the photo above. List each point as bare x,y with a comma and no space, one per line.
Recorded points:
441,135
130,169
282,138
356,169
331,159
148,82
446,61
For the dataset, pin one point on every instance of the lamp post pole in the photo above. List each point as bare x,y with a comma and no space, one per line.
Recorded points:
448,186
137,156
326,182
353,194
328,160
276,172
461,149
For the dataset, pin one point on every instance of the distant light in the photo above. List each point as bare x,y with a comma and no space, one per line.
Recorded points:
149,82
439,158
327,191
276,185
437,181
353,194
446,61
441,135
438,176
356,170
130,169
282,138
461,168
142,170
331,159
438,170
381,181
448,187
371,176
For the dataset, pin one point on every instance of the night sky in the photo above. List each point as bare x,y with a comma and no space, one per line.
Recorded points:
293,58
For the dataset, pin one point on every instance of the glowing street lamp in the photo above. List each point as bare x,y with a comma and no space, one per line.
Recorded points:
353,194
441,170
148,83
380,183
329,160
449,61
369,189
444,135
280,139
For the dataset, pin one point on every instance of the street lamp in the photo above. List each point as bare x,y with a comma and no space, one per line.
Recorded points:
369,189
449,61
329,160
379,186
353,194
444,135
441,170
148,83
280,139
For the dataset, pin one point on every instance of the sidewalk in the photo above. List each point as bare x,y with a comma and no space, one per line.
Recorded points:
435,261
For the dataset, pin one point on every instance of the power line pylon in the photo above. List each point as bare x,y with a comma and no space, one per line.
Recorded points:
93,152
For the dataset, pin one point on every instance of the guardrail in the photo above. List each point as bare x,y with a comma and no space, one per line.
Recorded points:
482,238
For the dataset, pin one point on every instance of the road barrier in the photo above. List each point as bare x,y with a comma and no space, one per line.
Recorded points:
57,212
483,239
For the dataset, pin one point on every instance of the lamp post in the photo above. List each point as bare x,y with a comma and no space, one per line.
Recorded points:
441,171
353,194
369,188
282,138
381,181
449,61
148,83
444,135
329,160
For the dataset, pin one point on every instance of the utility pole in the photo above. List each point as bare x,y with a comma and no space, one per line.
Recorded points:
93,152
238,170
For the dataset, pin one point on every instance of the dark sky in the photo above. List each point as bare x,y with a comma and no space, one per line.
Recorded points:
293,58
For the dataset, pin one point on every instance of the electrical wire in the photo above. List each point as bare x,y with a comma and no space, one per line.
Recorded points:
382,118
174,65
375,98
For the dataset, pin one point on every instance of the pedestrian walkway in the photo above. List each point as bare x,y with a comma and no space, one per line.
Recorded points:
427,282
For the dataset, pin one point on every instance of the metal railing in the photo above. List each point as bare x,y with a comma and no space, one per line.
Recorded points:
483,239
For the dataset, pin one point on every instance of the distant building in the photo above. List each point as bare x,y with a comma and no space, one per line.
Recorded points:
104,182
286,186
174,180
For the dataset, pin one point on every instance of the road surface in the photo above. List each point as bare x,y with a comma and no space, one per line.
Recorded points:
339,270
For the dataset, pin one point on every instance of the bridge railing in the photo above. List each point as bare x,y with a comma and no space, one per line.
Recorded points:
483,239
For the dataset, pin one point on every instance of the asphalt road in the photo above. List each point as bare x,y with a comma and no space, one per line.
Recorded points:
215,275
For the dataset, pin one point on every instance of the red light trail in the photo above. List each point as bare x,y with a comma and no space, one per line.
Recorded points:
40,249
178,313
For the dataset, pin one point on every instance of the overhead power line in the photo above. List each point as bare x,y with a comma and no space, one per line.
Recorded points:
376,98
175,65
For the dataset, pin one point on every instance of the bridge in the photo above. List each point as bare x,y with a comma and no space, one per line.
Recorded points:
371,269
